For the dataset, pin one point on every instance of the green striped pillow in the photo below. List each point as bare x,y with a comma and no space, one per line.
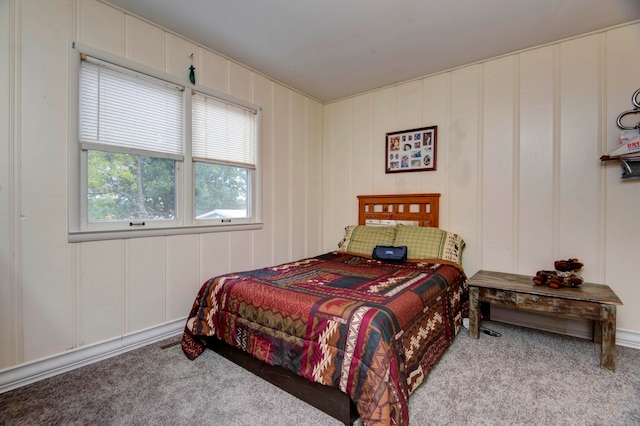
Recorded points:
362,239
429,243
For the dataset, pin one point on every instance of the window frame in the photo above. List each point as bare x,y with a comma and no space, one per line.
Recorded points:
185,222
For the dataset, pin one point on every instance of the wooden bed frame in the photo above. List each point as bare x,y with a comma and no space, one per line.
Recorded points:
420,208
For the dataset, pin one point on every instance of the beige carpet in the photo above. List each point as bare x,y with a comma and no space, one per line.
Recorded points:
523,377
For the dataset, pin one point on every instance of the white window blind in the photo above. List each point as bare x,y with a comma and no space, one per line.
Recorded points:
223,132
125,109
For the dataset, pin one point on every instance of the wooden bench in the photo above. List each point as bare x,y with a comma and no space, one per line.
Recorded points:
596,302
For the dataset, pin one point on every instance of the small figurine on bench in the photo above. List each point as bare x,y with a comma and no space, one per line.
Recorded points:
563,276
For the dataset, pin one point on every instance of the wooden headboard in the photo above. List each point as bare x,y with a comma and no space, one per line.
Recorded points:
421,208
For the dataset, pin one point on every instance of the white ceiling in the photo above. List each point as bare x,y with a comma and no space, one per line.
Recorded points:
330,49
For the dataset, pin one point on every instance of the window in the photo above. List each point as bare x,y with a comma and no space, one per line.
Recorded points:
131,131
224,157
151,158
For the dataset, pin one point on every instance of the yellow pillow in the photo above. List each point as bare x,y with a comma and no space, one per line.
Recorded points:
429,243
362,239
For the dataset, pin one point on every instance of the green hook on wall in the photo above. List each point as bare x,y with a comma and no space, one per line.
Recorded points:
192,71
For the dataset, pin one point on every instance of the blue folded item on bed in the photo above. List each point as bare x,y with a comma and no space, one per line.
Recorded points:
390,253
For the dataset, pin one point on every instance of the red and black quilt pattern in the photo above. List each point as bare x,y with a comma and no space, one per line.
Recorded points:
372,329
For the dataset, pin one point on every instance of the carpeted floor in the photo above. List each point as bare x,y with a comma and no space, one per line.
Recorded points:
523,377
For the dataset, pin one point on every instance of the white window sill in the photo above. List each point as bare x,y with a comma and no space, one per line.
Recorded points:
82,236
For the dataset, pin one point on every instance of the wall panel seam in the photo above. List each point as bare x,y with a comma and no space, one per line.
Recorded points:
15,231
75,252
326,149
395,126
515,189
422,122
259,193
352,206
272,162
228,77
319,126
79,247
80,20
480,166
557,149
305,196
371,145
447,181
167,272
74,19
124,280
602,175
200,245
124,48
75,295
290,172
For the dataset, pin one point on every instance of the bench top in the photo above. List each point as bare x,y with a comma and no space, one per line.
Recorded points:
599,293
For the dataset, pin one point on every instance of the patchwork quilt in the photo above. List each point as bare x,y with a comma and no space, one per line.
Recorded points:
373,329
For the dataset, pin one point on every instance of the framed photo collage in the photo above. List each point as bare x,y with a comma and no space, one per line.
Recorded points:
411,150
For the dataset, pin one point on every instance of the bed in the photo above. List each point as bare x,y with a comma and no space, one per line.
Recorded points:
349,334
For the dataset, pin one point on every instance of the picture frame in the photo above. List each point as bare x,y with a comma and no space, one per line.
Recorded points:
411,150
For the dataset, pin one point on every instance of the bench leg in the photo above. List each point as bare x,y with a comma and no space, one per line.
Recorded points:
474,312
597,331
608,336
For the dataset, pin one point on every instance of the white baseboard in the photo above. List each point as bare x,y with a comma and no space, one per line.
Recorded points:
24,374
630,339
571,327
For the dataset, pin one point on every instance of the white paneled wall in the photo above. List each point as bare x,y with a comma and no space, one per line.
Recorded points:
46,284
146,282
57,296
8,240
579,193
537,179
519,142
500,153
463,146
282,178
